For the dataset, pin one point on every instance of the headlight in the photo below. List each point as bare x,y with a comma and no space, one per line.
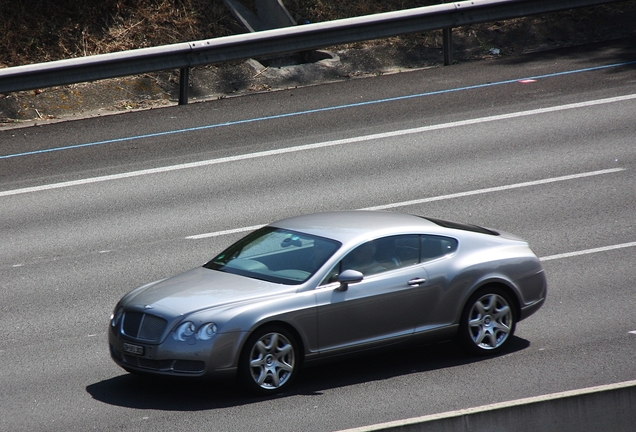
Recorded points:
184,331
207,331
116,316
187,330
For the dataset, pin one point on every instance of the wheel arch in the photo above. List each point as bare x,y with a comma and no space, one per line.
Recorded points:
278,323
503,284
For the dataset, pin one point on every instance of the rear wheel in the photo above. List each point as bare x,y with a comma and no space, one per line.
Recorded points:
269,361
488,321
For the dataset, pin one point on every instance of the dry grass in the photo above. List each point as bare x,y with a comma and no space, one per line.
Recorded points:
327,10
42,30
33,31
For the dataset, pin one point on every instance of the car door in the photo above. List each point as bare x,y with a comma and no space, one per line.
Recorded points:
380,309
437,257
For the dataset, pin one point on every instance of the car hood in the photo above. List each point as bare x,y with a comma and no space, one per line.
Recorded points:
199,289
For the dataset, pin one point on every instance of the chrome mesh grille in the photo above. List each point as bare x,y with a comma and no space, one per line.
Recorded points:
152,327
188,366
143,326
179,366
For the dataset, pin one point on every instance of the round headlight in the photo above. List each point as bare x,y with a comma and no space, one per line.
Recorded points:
184,331
116,316
207,331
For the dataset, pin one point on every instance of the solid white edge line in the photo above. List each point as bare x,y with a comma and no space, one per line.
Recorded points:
492,407
315,146
442,197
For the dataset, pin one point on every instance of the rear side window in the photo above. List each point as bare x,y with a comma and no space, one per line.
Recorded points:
436,246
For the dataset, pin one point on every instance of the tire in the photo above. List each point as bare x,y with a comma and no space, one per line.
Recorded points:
269,361
488,321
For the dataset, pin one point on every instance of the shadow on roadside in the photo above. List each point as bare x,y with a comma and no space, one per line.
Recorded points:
615,52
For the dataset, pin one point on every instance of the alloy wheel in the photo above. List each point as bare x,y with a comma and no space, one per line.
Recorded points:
272,361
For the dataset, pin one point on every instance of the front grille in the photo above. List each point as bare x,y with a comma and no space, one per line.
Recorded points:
188,366
143,326
158,365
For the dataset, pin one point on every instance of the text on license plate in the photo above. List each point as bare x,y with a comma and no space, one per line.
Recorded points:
133,349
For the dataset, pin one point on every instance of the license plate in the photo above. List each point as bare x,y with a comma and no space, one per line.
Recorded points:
133,349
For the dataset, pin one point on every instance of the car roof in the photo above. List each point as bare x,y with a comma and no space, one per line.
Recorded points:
346,226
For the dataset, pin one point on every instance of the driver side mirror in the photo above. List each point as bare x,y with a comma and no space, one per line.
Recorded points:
348,277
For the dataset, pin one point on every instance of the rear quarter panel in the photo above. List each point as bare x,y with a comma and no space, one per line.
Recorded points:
495,261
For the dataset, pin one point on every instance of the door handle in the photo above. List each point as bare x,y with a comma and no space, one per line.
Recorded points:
416,282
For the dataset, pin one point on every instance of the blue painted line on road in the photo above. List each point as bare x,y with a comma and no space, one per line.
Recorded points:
313,111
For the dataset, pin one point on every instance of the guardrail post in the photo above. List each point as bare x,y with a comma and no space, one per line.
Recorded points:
448,46
184,80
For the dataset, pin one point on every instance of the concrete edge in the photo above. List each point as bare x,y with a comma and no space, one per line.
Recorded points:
510,409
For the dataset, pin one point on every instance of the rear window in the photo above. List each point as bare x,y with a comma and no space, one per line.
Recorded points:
461,226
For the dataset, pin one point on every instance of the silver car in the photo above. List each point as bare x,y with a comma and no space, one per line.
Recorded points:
318,286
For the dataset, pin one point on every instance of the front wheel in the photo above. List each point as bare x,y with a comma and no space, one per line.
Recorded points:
269,361
488,321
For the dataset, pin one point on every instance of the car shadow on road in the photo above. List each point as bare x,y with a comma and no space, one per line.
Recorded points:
313,380
171,394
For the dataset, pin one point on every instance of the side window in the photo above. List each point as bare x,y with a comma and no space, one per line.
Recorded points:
436,246
382,254
392,252
366,258
407,250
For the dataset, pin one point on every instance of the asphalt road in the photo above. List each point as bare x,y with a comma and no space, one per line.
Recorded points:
542,146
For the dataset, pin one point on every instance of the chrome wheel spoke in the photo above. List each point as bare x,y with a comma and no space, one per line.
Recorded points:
502,314
491,303
258,362
283,350
479,336
480,308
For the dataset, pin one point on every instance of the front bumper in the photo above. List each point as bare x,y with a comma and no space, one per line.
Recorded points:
214,358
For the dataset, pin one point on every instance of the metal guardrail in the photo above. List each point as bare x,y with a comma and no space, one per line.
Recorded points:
185,55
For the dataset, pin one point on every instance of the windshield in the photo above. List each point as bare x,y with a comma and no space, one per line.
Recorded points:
276,255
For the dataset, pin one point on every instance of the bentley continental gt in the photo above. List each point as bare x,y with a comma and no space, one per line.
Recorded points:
315,287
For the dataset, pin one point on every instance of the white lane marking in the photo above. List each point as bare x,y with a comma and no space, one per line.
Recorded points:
632,332
220,233
588,251
439,198
315,146
495,189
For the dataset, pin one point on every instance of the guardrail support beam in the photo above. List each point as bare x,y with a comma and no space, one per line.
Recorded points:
448,46
184,80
